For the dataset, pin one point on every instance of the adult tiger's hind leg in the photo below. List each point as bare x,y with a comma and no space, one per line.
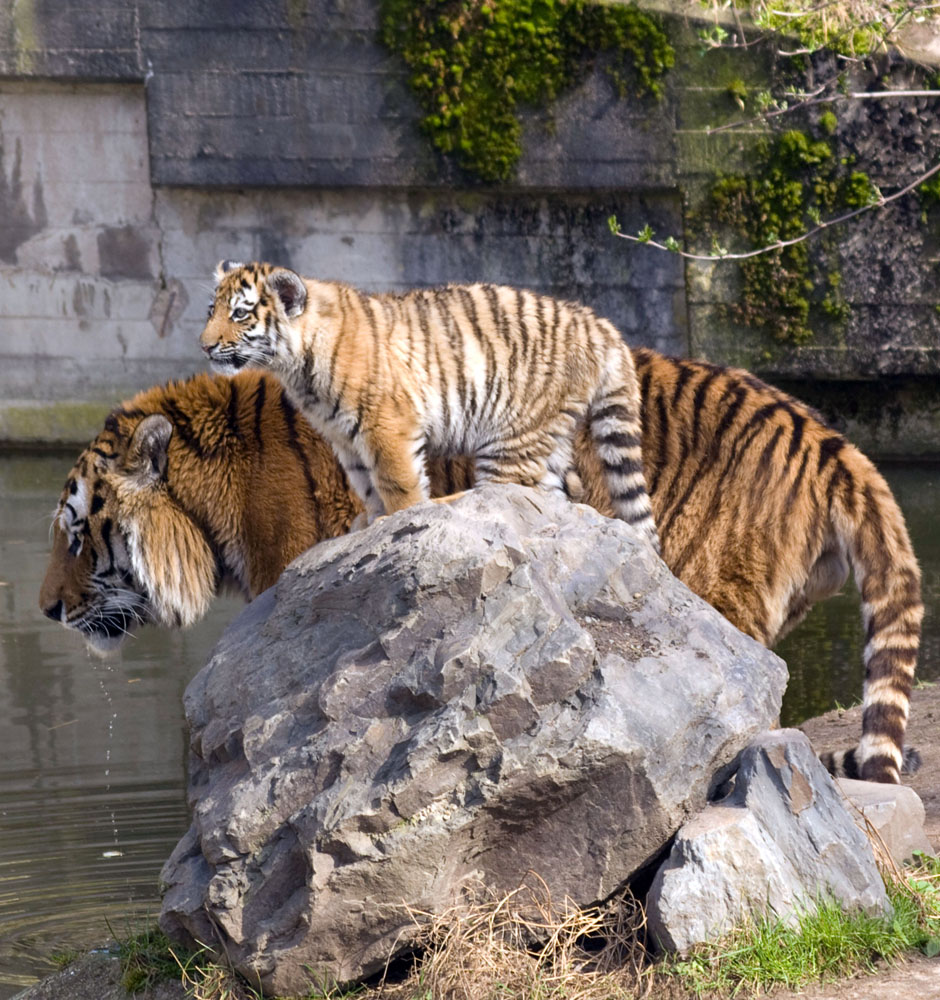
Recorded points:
826,577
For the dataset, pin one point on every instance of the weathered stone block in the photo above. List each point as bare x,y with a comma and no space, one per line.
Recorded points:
892,815
778,843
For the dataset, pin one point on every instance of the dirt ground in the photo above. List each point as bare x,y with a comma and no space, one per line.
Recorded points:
916,979
98,978
840,728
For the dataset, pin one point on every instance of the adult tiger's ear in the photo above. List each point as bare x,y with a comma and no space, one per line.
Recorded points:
289,287
147,453
223,267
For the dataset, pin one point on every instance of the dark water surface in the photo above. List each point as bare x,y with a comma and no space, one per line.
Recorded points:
92,752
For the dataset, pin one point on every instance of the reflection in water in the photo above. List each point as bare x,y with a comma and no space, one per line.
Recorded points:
92,752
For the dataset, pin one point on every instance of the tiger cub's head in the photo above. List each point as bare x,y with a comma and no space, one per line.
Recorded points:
123,552
251,305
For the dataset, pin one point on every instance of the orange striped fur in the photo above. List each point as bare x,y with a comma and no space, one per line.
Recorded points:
189,487
761,510
500,374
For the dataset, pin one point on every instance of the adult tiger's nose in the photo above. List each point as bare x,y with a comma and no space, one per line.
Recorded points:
54,611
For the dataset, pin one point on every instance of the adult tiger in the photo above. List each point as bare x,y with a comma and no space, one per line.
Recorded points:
761,510
189,487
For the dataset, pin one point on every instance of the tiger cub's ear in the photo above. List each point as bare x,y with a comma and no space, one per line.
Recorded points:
223,267
289,287
147,453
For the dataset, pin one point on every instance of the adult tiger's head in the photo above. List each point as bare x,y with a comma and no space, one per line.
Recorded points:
248,322
124,553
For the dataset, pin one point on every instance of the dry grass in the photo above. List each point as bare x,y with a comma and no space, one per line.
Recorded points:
527,946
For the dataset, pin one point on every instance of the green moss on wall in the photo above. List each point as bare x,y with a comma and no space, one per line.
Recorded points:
929,192
797,181
828,122
473,62
59,423
851,30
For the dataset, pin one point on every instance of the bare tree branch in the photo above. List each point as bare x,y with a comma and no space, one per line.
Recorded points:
813,99
781,244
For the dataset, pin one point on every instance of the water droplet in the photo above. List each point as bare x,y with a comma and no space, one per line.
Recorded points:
112,715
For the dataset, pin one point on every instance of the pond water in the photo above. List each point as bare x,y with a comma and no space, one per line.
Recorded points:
92,752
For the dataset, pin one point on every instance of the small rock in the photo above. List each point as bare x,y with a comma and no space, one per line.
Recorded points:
895,813
779,840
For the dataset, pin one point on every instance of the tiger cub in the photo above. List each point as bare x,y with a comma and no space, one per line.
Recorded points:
496,373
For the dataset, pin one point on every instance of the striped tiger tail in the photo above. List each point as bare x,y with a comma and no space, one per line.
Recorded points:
867,517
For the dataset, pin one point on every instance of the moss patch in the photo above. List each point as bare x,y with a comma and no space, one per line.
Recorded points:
53,424
852,29
797,181
473,62
929,192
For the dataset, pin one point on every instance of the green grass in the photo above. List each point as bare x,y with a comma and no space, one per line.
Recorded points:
826,945
63,959
146,958
850,27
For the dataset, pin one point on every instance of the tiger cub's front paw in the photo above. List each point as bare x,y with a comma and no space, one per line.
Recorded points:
360,521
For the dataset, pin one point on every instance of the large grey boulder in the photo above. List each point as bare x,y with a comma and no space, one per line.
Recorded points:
783,839
505,683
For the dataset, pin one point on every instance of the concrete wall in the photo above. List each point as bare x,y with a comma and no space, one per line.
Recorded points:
141,142
105,278
887,260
